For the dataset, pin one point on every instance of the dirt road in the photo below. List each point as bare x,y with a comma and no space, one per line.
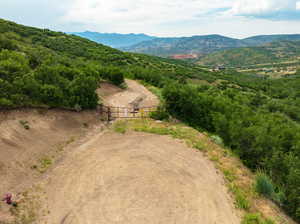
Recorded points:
135,92
136,178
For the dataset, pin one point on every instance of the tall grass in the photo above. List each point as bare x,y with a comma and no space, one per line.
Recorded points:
255,219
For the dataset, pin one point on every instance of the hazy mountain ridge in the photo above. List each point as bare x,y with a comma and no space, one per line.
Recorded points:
202,45
185,45
115,40
263,39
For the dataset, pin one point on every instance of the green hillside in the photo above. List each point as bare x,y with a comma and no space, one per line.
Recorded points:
44,68
274,52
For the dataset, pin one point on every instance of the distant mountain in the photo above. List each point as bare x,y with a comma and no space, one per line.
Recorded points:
185,45
274,52
114,39
201,45
263,39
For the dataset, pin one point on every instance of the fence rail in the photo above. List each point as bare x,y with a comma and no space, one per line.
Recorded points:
112,113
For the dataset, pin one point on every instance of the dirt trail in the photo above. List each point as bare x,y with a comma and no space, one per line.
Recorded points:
135,92
136,178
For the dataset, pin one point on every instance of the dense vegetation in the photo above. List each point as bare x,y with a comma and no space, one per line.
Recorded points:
45,68
274,52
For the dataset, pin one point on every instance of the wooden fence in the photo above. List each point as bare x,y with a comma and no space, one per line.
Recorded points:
112,113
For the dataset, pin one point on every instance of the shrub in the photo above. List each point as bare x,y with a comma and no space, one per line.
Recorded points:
217,139
264,185
160,114
5,103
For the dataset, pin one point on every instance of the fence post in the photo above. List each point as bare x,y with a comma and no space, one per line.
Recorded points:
108,114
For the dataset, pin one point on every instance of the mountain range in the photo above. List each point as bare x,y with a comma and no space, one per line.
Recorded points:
114,40
202,45
195,46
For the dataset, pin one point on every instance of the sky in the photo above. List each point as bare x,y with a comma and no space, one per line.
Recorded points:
164,18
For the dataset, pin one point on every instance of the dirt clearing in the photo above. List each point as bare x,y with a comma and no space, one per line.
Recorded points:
31,140
136,178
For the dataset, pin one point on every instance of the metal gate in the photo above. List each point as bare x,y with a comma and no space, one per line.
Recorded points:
112,113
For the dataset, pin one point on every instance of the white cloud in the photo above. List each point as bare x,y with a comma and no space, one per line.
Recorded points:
139,13
149,16
261,7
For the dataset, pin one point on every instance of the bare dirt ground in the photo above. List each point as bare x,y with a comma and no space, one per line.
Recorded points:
116,97
136,178
24,152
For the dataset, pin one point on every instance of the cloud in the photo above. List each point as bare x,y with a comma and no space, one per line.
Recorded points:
40,13
140,13
267,9
150,15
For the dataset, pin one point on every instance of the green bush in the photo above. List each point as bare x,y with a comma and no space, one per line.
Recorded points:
217,139
264,185
160,114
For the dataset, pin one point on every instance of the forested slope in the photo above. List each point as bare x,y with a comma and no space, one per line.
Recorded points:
45,68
